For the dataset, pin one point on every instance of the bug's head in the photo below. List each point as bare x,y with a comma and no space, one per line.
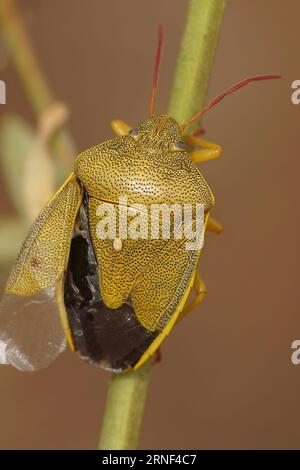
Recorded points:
159,133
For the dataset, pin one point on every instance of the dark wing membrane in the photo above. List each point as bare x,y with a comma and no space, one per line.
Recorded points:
31,335
111,338
117,338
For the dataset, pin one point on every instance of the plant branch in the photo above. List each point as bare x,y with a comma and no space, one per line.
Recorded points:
124,409
127,392
195,59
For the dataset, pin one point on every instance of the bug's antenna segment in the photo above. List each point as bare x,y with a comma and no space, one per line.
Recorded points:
226,93
156,68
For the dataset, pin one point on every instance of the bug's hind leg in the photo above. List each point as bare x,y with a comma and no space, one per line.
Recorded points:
120,127
208,150
158,356
200,289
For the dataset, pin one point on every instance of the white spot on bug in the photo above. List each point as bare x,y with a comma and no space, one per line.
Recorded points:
2,92
117,244
2,352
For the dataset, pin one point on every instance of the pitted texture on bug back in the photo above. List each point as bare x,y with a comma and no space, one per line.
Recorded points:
118,270
160,287
45,252
144,169
110,338
154,274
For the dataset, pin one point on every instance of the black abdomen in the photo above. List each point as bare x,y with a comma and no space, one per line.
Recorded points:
110,338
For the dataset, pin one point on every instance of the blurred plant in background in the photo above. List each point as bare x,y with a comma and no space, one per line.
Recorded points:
33,161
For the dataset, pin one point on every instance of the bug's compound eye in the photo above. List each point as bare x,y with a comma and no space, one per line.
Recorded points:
178,146
134,133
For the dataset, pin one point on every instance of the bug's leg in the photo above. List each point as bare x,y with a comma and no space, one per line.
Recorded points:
158,356
200,288
120,127
214,225
208,150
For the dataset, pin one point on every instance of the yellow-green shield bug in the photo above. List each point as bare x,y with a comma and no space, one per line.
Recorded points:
114,295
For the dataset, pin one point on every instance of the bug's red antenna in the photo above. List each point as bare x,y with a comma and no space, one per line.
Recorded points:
156,68
227,92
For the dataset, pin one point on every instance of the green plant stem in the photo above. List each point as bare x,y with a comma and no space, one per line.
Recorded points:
124,409
195,59
38,93
127,392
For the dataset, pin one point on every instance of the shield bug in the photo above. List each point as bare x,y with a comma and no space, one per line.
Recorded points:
115,298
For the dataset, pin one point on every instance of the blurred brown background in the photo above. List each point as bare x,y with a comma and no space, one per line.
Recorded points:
226,379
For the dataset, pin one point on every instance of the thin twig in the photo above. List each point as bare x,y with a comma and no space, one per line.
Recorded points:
195,59
124,409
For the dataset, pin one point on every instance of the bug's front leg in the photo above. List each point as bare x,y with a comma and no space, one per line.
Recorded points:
200,288
120,127
208,150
